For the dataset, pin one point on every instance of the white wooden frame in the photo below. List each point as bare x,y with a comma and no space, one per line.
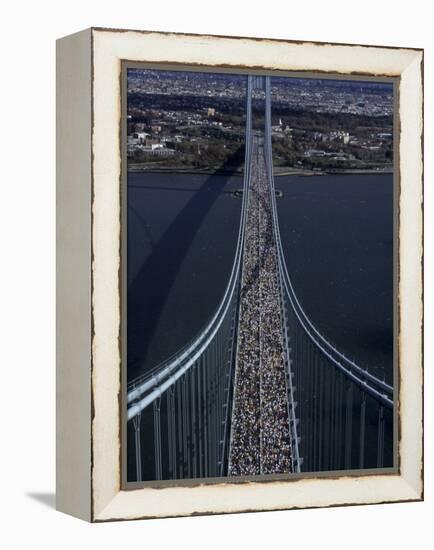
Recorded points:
88,264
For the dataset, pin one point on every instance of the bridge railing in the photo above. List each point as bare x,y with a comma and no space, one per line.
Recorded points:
184,404
344,413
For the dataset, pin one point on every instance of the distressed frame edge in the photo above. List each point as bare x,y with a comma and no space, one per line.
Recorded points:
257,39
73,274
392,470
411,487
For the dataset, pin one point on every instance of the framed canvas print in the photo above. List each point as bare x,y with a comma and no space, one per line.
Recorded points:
239,304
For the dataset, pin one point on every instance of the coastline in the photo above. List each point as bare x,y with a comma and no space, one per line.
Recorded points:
278,171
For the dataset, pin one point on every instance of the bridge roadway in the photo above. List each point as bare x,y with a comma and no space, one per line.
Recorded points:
259,442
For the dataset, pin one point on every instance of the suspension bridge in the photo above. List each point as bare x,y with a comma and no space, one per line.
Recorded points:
259,390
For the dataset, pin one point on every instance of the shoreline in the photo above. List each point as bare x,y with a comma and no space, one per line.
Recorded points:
240,173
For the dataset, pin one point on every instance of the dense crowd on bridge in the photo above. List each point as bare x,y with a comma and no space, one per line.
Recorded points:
260,430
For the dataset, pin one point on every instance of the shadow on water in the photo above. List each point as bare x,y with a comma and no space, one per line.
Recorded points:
184,189
146,299
144,224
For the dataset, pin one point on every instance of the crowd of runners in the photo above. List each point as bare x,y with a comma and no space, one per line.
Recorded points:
260,427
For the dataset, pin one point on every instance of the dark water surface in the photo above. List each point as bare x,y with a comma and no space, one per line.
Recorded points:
182,232
337,233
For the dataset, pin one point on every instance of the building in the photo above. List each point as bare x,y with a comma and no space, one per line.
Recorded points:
158,150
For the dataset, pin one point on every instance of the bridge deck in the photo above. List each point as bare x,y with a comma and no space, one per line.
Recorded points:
260,428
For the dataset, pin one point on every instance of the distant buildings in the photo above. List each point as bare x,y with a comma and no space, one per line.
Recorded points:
322,97
170,111
335,135
142,142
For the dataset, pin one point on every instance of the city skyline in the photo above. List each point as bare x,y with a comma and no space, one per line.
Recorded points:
189,119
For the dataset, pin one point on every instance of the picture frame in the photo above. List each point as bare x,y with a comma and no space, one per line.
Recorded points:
89,274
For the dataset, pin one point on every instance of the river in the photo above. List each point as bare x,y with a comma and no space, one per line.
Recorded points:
337,233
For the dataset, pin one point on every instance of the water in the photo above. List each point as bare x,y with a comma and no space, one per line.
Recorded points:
182,232
337,233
